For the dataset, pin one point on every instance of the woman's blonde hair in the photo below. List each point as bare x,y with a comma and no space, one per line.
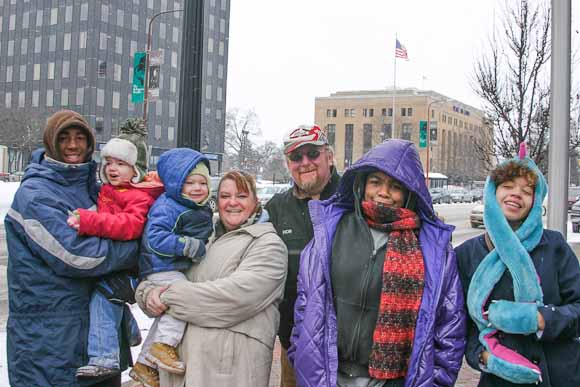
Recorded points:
244,181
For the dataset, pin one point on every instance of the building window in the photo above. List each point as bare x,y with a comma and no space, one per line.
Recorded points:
223,5
120,18
64,97
173,84
22,73
36,74
80,96
65,69
219,94
83,39
387,132
331,133
209,67
8,100
210,45
66,45
367,137
175,33
52,43
348,135
368,112
102,69
99,124
50,70
12,23
39,17
220,71
119,45
349,112
406,132
171,133
68,14
53,16
116,99
103,41
49,97
135,22
157,132
162,30
218,114
171,109
117,73
35,96
25,20
403,112
174,59
159,107
21,99
9,73
10,48
330,112
223,26
81,68
211,22
208,91
130,105
24,46
409,112
221,48
84,11
100,97
105,13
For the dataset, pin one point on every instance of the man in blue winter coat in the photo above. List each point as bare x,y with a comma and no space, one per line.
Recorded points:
51,269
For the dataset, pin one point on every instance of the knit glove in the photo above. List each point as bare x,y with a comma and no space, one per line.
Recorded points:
194,249
514,317
74,219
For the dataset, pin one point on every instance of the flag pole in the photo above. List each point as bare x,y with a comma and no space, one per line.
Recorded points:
393,131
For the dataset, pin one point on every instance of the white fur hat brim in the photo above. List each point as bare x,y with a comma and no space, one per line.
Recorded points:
120,149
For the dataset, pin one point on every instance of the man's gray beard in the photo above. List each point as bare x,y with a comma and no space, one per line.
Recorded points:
310,189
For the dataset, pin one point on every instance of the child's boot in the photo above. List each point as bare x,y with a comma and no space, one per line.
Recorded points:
165,357
145,375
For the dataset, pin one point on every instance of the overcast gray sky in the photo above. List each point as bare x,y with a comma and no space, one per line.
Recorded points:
283,54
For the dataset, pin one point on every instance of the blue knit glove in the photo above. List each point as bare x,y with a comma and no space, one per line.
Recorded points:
194,249
514,317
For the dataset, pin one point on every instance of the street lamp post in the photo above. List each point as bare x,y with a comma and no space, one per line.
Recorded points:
147,53
429,137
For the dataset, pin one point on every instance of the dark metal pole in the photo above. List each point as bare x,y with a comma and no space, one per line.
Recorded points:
147,53
190,90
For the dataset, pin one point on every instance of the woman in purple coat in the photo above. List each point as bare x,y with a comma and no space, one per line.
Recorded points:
379,298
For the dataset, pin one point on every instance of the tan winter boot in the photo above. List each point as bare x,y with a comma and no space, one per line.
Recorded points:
144,374
165,357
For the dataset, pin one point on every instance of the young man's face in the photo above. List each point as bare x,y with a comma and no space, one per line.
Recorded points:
195,188
309,166
72,145
515,198
118,172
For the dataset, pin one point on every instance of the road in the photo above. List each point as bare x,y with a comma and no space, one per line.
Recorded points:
458,216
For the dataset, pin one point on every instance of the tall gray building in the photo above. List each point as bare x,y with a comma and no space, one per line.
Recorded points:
78,54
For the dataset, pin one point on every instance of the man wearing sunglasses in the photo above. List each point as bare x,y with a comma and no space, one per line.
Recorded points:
310,161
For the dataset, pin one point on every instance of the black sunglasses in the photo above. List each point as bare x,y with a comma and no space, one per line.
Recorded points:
312,155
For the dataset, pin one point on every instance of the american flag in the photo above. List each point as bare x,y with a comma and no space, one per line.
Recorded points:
400,51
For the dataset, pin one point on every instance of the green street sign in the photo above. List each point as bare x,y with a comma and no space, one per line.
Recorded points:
139,64
422,134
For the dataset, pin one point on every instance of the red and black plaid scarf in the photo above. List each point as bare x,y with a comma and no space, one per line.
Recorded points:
403,281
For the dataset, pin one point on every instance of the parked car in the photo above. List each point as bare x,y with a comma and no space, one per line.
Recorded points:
477,194
440,195
265,193
575,216
476,216
457,195
468,197
573,195
215,181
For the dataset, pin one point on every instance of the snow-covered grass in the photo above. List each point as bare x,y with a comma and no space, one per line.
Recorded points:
7,191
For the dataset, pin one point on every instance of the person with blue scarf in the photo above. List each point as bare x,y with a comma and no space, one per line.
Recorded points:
522,286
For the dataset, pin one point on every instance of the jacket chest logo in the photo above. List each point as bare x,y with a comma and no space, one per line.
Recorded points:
287,231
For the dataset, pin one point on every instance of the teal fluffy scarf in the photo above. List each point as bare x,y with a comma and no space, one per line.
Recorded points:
512,253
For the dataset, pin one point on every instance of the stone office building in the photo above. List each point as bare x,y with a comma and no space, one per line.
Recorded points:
357,120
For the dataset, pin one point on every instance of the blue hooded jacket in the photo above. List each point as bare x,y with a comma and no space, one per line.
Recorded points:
172,216
439,341
50,273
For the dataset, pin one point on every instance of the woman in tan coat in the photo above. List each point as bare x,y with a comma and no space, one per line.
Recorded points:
231,299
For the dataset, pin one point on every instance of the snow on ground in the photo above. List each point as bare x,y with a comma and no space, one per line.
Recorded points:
7,191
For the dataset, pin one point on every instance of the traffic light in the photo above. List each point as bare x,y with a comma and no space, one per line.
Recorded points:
422,134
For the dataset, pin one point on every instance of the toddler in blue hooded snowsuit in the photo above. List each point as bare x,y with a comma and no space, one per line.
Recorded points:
179,224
